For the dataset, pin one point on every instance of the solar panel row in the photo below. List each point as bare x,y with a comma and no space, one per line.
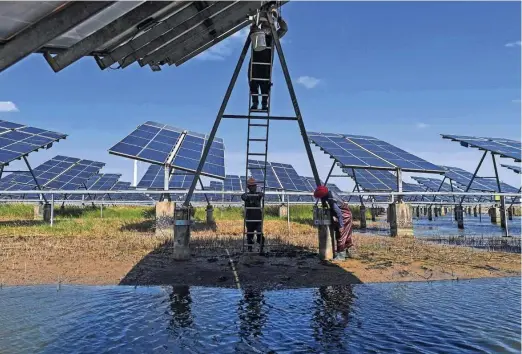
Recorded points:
503,147
463,178
155,175
512,168
17,140
162,144
368,152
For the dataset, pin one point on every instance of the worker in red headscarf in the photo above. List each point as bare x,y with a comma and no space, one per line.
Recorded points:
341,220
253,214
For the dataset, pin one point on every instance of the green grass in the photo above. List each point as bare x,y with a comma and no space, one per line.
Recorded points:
11,211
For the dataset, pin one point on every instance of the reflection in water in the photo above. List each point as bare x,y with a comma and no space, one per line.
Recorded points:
180,304
331,316
252,313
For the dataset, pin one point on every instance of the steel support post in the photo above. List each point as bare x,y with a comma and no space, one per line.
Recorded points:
293,97
329,173
503,221
474,175
34,177
357,186
212,134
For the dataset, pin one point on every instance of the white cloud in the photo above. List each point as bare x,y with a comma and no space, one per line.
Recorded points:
308,81
8,106
422,125
513,44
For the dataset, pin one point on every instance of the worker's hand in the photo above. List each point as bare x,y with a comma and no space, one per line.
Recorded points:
335,219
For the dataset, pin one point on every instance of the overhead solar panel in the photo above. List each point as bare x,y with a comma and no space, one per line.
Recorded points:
17,140
512,168
288,177
256,169
370,153
503,147
165,145
373,180
99,182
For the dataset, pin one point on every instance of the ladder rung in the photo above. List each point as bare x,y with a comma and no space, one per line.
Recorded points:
260,63
253,208
258,79
256,139
259,110
257,153
253,220
258,125
260,94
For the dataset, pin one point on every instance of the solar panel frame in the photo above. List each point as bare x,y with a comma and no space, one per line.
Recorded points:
154,178
462,177
516,169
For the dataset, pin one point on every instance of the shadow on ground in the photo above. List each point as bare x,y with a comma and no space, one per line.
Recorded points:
19,223
221,263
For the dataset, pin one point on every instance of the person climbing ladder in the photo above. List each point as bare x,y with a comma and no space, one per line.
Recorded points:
253,214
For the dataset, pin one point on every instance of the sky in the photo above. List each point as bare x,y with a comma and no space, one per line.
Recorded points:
403,72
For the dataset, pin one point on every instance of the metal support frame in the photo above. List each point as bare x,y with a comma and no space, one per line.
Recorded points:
357,186
1,171
503,216
329,173
34,177
399,184
474,174
219,117
42,32
203,188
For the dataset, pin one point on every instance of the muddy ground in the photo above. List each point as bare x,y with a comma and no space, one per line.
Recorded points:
146,260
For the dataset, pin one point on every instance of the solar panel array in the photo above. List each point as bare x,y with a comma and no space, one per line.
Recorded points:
61,172
132,197
99,182
463,178
503,147
373,180
180,149
279,176
368,152
17,140
512,168
436,185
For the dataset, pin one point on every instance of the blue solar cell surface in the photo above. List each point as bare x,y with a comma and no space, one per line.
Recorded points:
132,197
279,176
255,168
368,152
503,147
99,182
436,185
512,168
155,175
17,140
155,143
373,180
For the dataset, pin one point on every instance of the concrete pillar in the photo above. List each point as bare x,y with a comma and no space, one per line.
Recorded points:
42,212
430,214
494,214
455,212
374,212
362,212
400,219
165,219
459,216
445,210
283,211
475,211
442,211
436,212
181,250
425,211
417,212
323,222
210,214
510,213
469,210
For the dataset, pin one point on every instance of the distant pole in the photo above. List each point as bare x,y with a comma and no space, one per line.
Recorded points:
135,180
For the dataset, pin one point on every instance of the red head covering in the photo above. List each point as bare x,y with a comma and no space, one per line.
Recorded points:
251,182
321,192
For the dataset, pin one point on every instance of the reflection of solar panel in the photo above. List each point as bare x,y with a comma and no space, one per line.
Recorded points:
367,152
162,144
463,178
17,140
503,147
512,168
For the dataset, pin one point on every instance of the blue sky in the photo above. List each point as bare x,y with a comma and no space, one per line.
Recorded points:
403,72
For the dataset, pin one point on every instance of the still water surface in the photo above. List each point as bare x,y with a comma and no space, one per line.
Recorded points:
439,317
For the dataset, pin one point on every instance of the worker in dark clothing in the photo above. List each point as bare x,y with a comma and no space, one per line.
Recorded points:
341,217
264,56
253,214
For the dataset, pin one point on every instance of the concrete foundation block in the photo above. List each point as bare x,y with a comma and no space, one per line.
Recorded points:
362,216
425,211
436,210
494,214
459,216
42,212
400,219
283,211
475,212
181,249
165,219
430,214
510,213
417,212
374,213
324,233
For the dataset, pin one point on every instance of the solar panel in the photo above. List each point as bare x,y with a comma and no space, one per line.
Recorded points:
434,185
503,147
373,180
162,144
155,175
255,168
133,197
463,177
512,168
99,182
288,177
216,186
61,172
17,140
368,152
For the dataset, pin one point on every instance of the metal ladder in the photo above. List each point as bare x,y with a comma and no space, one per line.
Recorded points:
258,128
